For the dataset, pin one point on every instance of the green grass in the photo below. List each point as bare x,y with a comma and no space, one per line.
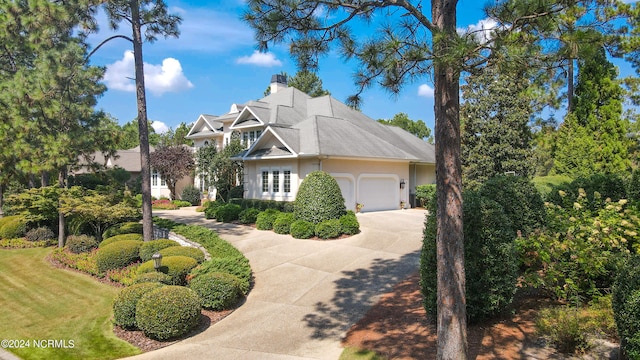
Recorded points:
352,353
41,302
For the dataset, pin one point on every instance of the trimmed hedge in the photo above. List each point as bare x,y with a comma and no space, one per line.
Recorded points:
301,229
238,266
118,254
218,291
349,224
228,212
168,312
265,219
123,228
156,277
177,267
282,224
189,251
249,216
13,227
626,307
284,206
319,198
328,229
121,237
125,303
81,243
149,248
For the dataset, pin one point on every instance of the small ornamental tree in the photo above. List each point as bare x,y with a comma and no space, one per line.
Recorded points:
173,163
319,198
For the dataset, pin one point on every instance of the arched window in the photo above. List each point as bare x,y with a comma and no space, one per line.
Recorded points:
206,143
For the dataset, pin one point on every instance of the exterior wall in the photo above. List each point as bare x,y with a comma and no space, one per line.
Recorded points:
253,179
420,175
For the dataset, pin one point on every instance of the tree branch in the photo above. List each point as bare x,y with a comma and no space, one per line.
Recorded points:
105,41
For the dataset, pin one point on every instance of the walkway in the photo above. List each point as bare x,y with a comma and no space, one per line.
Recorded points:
307,293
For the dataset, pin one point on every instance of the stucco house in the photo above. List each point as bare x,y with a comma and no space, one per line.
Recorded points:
290,134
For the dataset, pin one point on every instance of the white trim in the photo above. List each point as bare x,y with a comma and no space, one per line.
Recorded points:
261,138
241,115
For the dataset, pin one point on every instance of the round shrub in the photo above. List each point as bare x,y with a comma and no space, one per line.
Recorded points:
626,307
265,219
149,248
282,225
349,224
237,266
156,277
191,194
301,229
189,251
177,267
14,227
228,213
124,305
168,312
39,234
211,209
249,216
218,291
81,243
328,229
319,198
121,237
117,255
123,228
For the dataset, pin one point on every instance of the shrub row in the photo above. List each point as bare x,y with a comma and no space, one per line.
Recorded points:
286,223
284,206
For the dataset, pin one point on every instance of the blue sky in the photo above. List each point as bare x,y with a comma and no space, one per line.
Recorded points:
214,63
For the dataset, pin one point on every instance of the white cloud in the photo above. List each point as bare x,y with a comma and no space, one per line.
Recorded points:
159,127
425,91
260,59
159,79
482,30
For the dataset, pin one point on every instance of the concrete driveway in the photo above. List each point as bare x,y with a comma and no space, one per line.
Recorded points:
307,293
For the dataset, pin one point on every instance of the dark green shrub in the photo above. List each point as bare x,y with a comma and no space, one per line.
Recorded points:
424,193
180,203
156,277
237,266
14,227
211,209
130,227
168,312
218,291
283,222
117,255
626,307
149,248
81,243
349,224
607,185
328,229
301,229
228,212
288,206
265,219
319,198
39,234
121,237
249,216
189,251
125,303
490,258
175,266
191,194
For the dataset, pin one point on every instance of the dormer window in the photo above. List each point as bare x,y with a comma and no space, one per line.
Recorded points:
249,137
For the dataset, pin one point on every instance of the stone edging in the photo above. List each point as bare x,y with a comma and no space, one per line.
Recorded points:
162,233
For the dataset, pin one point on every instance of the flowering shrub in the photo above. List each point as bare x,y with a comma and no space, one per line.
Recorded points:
125,276
163,204
85,262
22,243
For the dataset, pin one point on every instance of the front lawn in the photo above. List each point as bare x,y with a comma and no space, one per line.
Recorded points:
40,302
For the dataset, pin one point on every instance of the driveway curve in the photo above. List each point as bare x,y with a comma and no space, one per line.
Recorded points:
307,293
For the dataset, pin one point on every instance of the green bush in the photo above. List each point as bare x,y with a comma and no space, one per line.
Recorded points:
130,227
39,234
349,224
156,277
175,266
606,185
328,229
319,198
189,251
563,328
125,303
284,206
228,212
121,237
265,219
301,229
249,216
81,243
490,258
282,225
181,203
149,248
117,255
633,186
424,193
218,291
191,194
237,266
168,312
626,306
545,184
211,209
14,227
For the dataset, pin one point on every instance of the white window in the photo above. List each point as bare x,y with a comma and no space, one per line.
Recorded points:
154,178
265,181
276,181
287,181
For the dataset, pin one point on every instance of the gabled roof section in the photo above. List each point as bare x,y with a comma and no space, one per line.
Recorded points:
252,115
271,144
206,125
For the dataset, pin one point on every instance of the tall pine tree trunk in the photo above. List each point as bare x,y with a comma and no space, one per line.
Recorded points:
62,177
143,128
452,317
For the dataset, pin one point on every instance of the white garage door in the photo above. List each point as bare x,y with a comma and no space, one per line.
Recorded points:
347,186
379,192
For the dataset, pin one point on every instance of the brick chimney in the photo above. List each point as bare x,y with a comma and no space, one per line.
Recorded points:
278,82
